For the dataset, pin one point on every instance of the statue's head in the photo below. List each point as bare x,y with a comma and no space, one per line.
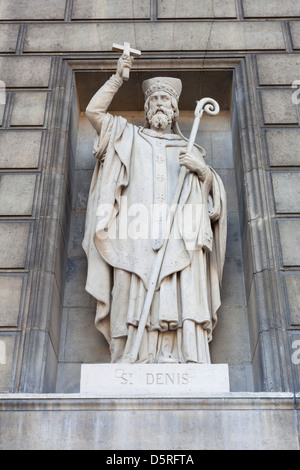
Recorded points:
161,101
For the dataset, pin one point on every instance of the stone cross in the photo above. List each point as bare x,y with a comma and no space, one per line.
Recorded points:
128,52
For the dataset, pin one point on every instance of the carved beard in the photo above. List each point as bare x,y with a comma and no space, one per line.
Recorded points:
160,118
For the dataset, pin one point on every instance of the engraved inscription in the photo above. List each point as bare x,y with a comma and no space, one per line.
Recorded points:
161,378
124,377
153,379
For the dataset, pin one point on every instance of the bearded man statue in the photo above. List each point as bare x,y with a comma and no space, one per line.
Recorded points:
131,192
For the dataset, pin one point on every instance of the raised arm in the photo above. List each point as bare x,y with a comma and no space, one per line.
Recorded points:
97,107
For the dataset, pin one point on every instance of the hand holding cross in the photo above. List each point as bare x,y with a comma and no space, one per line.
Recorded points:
128,52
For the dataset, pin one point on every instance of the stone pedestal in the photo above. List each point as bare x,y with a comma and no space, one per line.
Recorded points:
154,380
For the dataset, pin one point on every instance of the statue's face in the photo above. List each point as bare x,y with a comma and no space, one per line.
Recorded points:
160,99
160,110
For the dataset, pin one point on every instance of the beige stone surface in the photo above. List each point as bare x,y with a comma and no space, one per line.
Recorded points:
287,192
271,8
168,9
25,71
283,146
159,380
32,9
292,281
2,109
13,244
295,31
278,107
78,332
29,109
289,231
240,421
246,36
155,36
10,288
277,69
232,323
75,295
7,343
19,149
114,9
8,37
16,194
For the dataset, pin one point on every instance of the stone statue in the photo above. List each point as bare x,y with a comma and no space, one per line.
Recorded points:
131,193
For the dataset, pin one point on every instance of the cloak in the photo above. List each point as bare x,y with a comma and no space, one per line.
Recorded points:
119,267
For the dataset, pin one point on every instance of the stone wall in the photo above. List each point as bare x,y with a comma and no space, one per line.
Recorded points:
43,45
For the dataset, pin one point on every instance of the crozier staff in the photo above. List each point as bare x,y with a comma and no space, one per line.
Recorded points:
141,166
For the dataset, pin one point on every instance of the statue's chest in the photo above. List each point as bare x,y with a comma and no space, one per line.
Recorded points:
155,168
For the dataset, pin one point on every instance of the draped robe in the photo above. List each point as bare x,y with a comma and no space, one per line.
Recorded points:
138,169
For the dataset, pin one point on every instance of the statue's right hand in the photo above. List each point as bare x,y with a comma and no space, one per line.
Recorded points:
125,61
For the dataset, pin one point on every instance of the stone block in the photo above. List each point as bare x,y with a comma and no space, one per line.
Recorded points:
190,36
58,263
10,288
230,343
55,317
24,72
51,369
233,291
272,8
7,344
37,364
29,109
68,377
286,192
8,36
233,247
76,234
168,9
81,189
252,315
114,9
232,421
246,36
257,367
277,69
2,109
75,294
80,331
16,194
247,249
19,149
289,231
77,37
228,178
218,146
32,10
292,281
295,31
278,107
13,244
222,155
241,377
283,147
154,380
